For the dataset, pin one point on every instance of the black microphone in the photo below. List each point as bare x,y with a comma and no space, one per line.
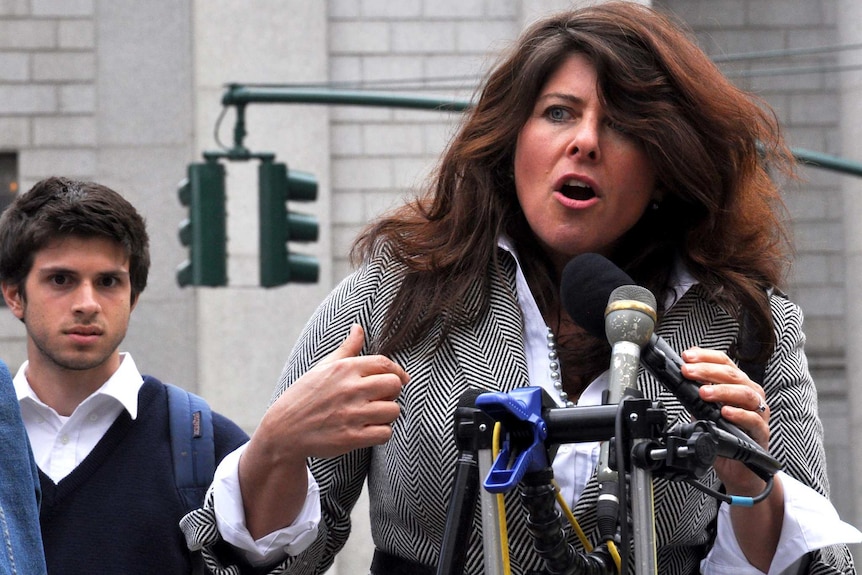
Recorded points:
587,283
745,450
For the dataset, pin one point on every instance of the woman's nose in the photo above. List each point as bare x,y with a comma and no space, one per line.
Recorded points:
585,140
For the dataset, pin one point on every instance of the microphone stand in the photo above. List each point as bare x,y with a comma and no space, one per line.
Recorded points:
524,461
641,427
629,321
491,537
642,445
643,514
474,432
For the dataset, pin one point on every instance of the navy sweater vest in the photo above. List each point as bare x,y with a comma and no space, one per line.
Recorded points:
118,512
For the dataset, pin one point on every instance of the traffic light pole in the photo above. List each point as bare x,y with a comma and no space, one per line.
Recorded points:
240,95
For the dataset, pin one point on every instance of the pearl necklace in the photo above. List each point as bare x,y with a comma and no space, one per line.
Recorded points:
556,375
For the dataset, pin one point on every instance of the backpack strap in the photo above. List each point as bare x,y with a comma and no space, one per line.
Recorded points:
192,444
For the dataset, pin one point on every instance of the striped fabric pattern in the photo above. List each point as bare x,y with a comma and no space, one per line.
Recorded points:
410,478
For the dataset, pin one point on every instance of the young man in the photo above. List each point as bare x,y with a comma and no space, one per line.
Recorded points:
74,259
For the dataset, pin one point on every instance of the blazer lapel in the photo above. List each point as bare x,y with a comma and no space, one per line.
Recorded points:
692,321
490,349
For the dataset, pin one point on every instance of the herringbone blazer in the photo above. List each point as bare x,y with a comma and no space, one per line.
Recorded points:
410,477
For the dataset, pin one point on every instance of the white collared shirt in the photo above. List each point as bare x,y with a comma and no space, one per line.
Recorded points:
230,517
61,443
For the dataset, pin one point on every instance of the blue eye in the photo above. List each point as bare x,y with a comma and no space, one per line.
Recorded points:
557,114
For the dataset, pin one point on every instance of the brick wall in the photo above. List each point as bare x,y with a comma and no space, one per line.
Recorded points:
380,155
47,79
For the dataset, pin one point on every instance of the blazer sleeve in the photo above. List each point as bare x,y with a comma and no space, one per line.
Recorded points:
796,430
357,299
362,298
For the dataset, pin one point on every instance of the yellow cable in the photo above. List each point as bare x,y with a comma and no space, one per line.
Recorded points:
588,547
571,517
501,505
615,554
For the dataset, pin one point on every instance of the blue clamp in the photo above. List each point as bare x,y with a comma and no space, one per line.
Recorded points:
520,414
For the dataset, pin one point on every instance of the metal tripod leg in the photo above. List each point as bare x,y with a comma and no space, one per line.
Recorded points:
493,541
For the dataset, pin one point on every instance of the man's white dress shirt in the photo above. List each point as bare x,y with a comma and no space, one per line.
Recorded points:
61,443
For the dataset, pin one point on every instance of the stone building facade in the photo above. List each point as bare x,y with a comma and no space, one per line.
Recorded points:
128,93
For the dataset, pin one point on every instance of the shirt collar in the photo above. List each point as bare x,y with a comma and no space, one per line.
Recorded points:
680,281
535,329
123,386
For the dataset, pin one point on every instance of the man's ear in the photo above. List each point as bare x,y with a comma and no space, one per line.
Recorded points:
14,299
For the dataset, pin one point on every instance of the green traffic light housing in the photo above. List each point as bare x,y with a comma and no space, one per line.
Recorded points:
278,225
204,230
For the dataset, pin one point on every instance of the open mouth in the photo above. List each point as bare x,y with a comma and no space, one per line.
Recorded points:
577,190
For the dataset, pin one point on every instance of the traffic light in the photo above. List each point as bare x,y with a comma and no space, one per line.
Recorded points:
204,231
278,225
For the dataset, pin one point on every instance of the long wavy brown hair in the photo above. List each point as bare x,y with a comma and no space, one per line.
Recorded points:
713,147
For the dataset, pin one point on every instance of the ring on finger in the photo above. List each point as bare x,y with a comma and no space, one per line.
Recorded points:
761,408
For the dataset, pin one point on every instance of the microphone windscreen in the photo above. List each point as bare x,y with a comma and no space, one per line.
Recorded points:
586,286
633,293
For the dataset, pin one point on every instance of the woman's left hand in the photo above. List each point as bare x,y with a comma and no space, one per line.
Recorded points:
743,403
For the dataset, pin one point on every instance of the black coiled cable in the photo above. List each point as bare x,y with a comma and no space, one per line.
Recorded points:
545,524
